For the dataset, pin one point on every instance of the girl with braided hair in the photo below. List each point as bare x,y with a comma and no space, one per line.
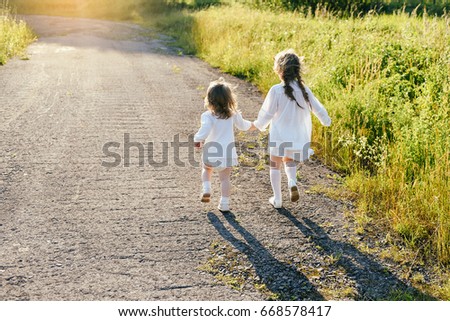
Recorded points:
287,108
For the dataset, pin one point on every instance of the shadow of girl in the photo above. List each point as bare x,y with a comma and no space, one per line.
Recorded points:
280,278
373,280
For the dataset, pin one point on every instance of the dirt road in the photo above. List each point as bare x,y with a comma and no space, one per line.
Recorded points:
72,229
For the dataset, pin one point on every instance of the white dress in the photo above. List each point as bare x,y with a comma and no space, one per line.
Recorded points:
290,125
219,149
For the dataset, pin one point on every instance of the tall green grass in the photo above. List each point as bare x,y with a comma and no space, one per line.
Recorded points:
385,81
15,36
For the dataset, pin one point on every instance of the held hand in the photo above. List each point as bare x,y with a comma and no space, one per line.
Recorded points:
198,145
252,128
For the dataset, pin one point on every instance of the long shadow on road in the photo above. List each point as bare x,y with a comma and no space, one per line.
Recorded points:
280,278
373,280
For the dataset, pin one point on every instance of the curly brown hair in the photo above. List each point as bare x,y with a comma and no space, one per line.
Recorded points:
220,99
287,65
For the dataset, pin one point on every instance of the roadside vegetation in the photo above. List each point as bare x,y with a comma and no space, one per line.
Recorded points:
15,36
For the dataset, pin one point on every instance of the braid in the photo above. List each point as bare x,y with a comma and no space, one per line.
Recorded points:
289,91
288,76
287,65
303,89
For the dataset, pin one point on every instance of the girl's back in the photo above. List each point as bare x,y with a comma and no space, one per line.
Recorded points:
222,129
218,136
291,124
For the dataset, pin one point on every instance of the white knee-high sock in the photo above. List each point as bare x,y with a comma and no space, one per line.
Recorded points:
206,187
206,181
290,169
275,180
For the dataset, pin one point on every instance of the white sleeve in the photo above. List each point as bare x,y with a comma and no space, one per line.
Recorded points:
241,123
268,110
205,128
318,109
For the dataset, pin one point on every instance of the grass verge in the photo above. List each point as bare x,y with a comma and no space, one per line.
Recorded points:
15,35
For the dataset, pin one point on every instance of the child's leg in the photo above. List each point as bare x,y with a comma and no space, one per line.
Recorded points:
206,183
206,178
225,185
290,167
275,177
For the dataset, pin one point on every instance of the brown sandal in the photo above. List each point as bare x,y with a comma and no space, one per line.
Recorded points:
206,197
293,191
